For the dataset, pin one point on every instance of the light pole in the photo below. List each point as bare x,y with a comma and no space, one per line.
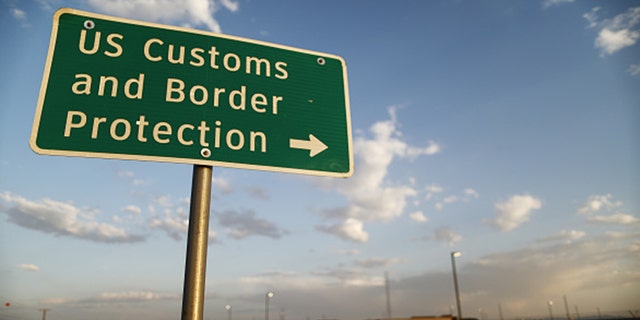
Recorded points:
455,254
228,307
268,296
550,303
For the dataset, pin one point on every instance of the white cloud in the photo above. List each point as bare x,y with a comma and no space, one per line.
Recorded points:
258,192
350,277
597,202
130,296
347,252
432,190
113,297
292,280
522,277
634,69
19,14
292,284
243,224
371,196
175,227
611,41
592,17
222,185
163,201
174,218
350,229
617,33
418,216
446,234
431,149
132,209
365,281
196,12
625,20
130,177
565,236
29,267
125,174
46,5
64,219
550,3
518,279
376,262
230,5
467,195
618,218
515,211
447,200
450,199
472,193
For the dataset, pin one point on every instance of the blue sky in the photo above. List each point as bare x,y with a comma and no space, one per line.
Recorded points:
506,130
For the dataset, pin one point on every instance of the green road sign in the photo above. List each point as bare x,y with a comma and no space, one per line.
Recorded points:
123,89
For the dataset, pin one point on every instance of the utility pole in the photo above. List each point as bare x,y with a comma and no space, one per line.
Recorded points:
44,313
386,284
566,307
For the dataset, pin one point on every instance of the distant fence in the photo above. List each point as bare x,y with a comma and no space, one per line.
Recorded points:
603,315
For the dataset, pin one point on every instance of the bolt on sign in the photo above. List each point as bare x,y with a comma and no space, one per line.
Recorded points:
123,89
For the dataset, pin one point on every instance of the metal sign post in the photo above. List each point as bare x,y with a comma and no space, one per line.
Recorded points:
197,240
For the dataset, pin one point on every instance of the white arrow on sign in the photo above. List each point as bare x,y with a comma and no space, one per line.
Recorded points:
314,145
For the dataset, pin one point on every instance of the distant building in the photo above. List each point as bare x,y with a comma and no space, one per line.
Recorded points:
441,317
